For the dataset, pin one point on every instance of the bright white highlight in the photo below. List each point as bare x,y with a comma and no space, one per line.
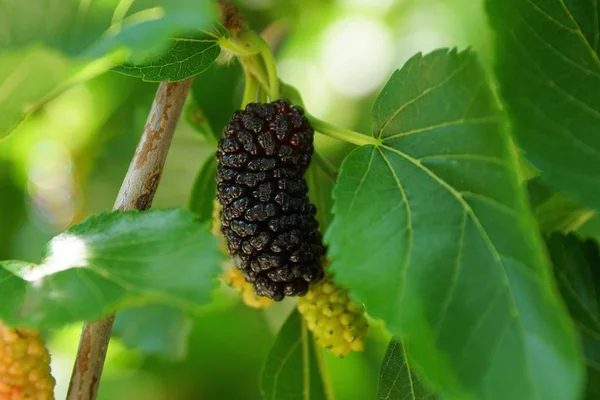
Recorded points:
66,252
357,55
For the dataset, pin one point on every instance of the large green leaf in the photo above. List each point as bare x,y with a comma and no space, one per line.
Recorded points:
433,233
293,370
397,380
549,73
577,269
109,262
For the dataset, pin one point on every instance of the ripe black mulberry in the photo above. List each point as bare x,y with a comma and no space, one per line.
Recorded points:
266,217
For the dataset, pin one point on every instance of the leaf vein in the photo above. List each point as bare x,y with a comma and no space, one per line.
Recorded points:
454,277
460,121
580,32
492,160
555,50
409,228
419,96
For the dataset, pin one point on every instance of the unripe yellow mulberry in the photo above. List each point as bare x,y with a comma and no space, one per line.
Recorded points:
234,278
24,366
336,322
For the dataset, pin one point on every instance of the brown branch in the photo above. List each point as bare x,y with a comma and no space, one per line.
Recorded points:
137,193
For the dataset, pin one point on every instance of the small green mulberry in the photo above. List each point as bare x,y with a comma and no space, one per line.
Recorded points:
337,323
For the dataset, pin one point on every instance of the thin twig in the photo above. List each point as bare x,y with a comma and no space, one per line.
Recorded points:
137,192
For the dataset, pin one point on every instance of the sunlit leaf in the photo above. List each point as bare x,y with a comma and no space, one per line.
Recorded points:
293,370
433,233
396,379
26,75
82,40
110,262
148,26
548,69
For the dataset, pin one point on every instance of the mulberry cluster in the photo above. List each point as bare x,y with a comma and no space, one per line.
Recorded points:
336,322
266,217
24,366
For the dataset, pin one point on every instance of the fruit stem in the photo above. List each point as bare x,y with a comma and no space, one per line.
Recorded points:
250,88
262,96
269,59
340,133
253,69
246,48
240,48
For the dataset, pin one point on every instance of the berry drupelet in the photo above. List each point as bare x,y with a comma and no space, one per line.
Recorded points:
24,365
266,217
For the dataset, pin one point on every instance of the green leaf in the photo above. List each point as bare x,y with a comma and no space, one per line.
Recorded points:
61,25
155,330
549,74
110,262
293,369
186,57
433,233
217,93
204,191
72,44
396,379
577,269
554,211
148,26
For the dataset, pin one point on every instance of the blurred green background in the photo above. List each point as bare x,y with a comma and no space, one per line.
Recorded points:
67,162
